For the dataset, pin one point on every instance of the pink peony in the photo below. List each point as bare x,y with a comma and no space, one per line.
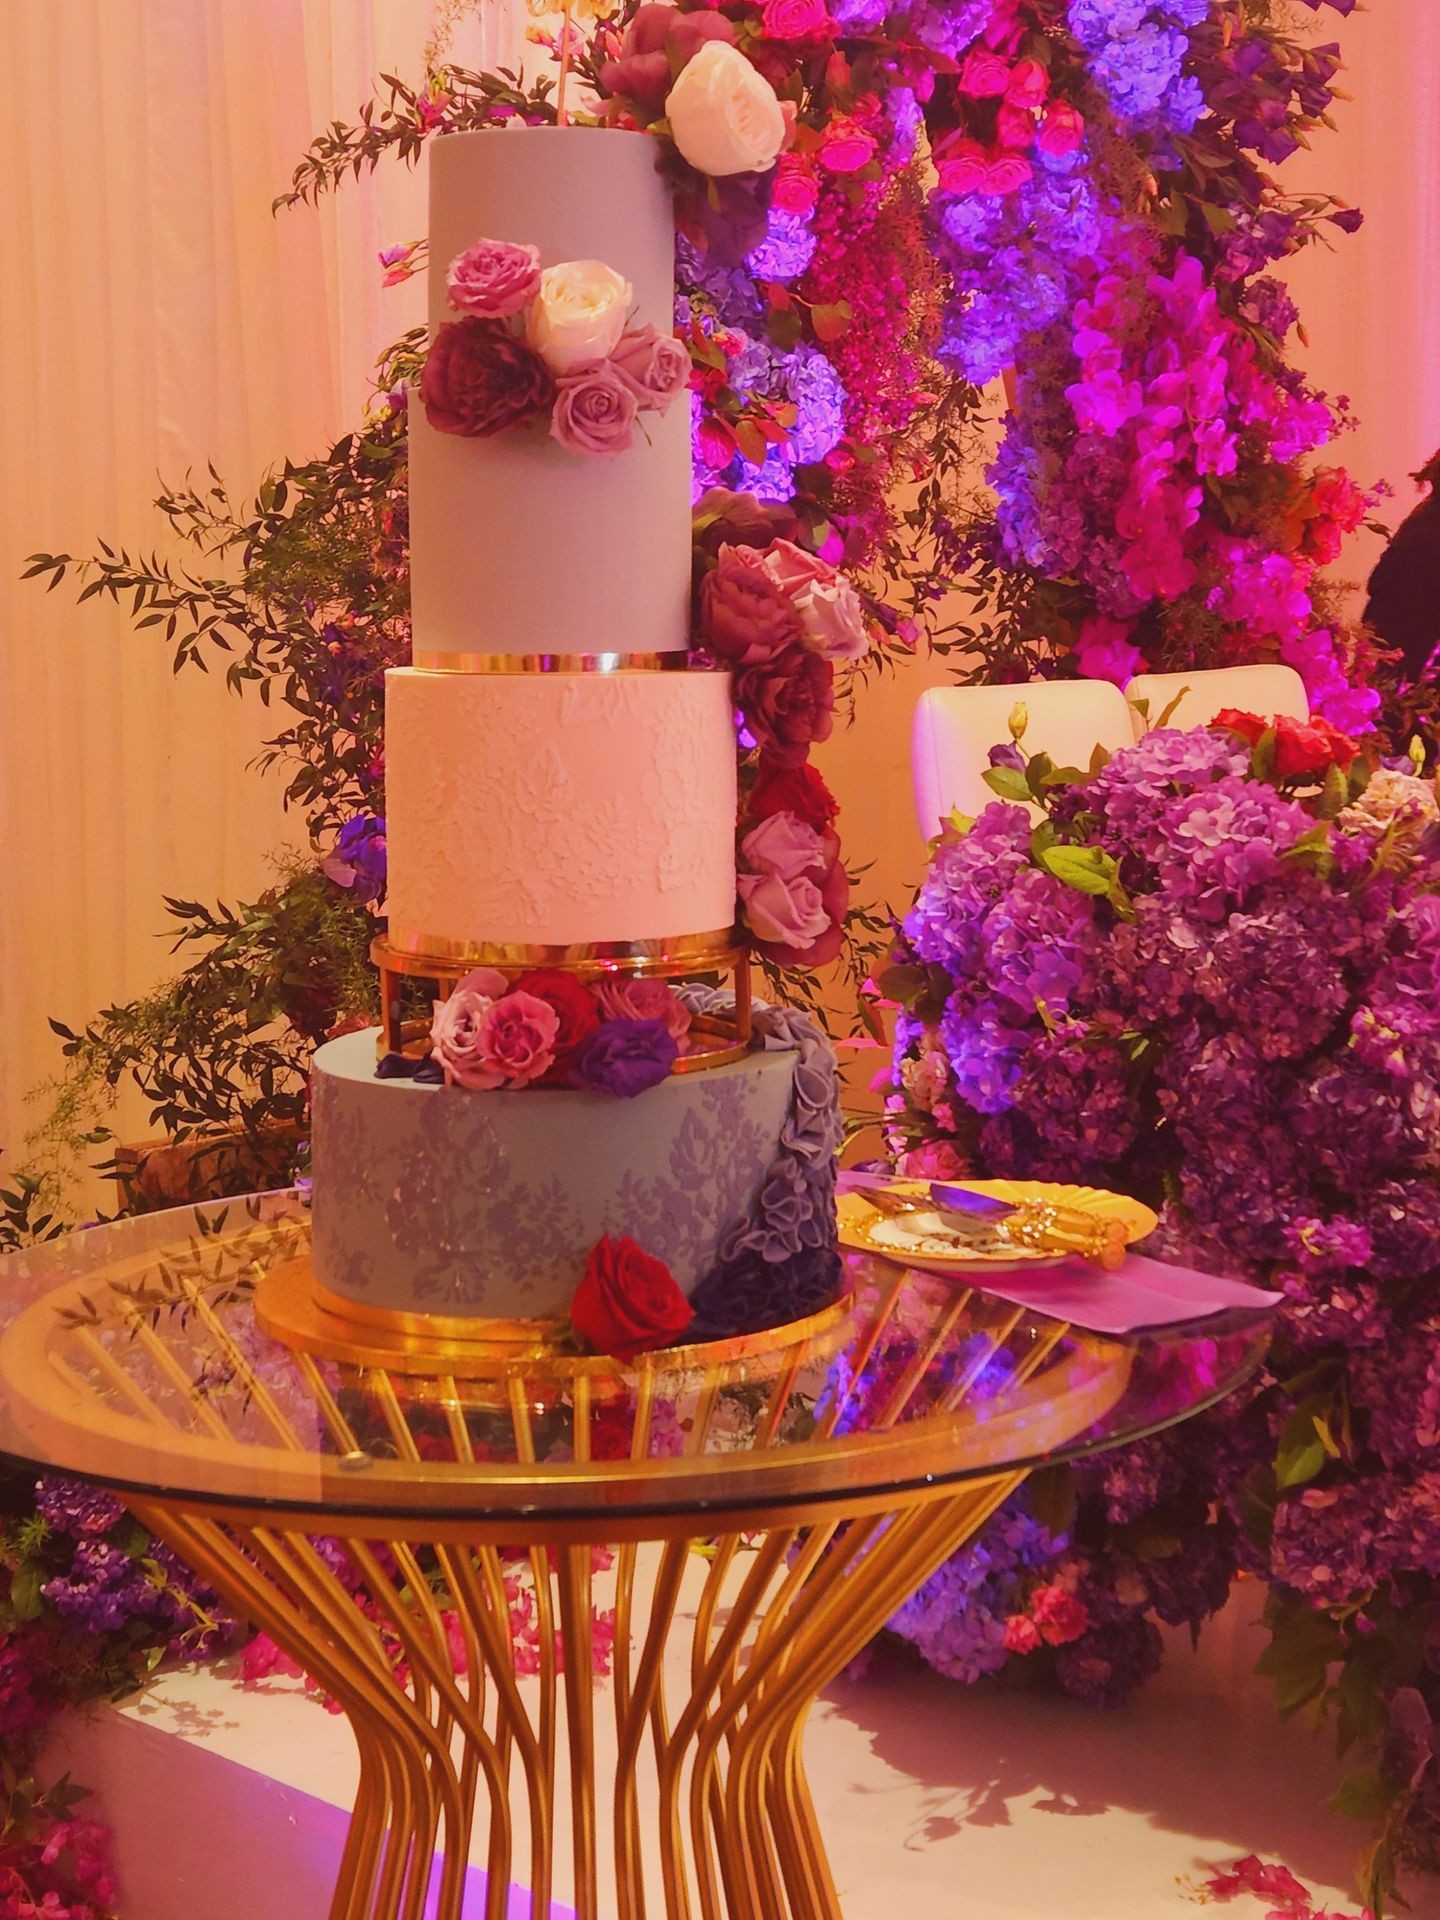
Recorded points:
788,699
845,146
494,279
655,366
623,999
796,20
1062,129
478,379
515,1039
595,410
455,1037
744,617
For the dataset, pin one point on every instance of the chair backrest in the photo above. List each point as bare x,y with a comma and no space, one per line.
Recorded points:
1266,690
955,728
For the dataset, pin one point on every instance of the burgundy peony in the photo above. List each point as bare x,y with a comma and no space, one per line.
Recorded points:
576,1010
643,72
494,279
721,518
479,379
625,1057
745,617
654,365
788,701
595,411
628,1301
798,790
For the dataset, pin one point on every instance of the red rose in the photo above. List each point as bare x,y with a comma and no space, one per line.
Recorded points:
797,790
961,163
984,76
1310,747
787,700
1062,130
845,147
1014,128
479,379
1249,726
574,1006
1029,84
628,1301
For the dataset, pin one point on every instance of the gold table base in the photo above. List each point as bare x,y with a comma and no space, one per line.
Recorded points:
737,1831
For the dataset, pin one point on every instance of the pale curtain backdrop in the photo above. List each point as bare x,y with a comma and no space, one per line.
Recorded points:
153,317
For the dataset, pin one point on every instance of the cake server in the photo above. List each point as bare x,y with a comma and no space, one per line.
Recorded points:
1041,1224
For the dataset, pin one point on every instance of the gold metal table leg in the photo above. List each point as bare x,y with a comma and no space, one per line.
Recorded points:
737,1832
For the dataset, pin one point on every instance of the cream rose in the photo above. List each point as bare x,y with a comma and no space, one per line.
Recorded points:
579,314
724,114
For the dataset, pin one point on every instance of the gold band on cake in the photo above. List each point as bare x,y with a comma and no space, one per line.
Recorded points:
429,660
421,952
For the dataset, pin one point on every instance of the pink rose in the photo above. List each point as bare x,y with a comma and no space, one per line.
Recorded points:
455,1038
962,165
1015,128
845,147
783,844
488,981
1104,652
1021,1634
1060,1616
984,76
792,568
595,411
516,1039
493,279
1006,173
796,20
624,999
796,189
1029,84
789,914
655,366
833,616
1062,129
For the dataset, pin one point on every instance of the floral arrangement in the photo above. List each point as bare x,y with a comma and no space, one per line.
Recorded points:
548,1028
557,340
1208,972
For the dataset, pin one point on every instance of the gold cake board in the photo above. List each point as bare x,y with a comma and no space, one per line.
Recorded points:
293,1306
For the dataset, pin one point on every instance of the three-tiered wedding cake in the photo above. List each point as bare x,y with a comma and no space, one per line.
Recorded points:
561,798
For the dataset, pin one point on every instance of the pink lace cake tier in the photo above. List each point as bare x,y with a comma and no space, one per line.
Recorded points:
558,810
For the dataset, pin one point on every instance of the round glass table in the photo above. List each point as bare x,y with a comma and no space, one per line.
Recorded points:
456,1559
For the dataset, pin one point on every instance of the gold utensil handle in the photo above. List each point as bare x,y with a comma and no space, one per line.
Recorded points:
1036,1223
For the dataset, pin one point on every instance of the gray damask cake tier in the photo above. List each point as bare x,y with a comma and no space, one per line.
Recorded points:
443,1200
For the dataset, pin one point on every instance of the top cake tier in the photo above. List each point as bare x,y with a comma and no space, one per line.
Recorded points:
518,546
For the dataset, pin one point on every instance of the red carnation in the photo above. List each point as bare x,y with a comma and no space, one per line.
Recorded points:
788,701
574,1006
797,790
628,1301
480,379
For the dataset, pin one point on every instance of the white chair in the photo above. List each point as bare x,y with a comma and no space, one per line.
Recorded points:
1198,697
955,728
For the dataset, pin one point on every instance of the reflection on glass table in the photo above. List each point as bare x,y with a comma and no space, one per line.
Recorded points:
369,1518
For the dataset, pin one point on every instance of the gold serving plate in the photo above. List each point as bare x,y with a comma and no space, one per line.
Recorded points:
867,1227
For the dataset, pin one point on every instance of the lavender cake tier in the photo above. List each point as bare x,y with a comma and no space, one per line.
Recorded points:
435,1199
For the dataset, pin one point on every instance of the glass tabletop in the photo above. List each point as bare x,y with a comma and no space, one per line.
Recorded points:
131,1355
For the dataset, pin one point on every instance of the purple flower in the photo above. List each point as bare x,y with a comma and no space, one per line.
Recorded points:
624,1057
358,859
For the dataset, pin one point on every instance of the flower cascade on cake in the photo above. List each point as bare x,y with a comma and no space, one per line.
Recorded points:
557,340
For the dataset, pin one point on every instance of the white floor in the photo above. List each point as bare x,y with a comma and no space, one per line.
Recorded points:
966,1804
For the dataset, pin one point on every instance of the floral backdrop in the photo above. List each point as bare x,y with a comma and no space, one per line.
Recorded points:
1084,196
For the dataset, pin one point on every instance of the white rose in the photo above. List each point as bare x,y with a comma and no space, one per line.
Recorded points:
833,617
724,115
579,313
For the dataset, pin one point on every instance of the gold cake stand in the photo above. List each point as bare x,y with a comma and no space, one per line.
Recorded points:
797,1488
